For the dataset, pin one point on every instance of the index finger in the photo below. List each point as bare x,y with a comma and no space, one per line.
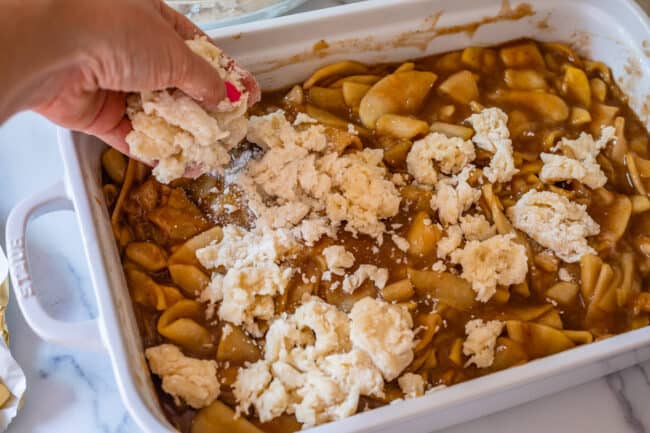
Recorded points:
188,30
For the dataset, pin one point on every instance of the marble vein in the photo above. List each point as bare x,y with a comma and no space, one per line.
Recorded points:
617,386
97,383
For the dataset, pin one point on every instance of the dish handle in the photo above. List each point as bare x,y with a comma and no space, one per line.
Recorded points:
85,334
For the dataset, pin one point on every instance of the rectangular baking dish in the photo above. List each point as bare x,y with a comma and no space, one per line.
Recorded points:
283,51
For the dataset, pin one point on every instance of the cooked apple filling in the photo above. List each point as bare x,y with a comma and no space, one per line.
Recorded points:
388,230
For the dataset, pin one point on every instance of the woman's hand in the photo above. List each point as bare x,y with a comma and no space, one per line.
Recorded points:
73,61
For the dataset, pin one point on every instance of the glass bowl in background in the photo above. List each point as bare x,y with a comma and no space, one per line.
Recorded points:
210,14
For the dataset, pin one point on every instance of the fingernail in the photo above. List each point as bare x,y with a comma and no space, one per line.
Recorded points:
232,93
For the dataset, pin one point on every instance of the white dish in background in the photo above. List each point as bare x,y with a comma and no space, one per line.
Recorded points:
282,51
210,14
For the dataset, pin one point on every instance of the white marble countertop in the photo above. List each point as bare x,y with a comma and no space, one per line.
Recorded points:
73,391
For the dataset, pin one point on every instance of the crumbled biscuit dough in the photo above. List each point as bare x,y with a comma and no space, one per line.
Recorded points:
274,131
338,259
303,181
450,242
251,382
559,168
439,266
313,370
400,242
556,223
412,385
398,179
311,230
585,147
354,370
578,160
328,324
321,399
564,275
295,346
175,132
315,330
491,133
247,294
226,330
273,402
364,196
191,380
498,260
302,118
240,248
253,275
453,196
476,227
481,341
451,154
377,275
419,163
384,331
288,375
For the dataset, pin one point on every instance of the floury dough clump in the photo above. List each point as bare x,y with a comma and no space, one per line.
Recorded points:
176,134
307,183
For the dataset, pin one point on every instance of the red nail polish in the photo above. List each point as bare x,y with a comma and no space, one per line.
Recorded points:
232,93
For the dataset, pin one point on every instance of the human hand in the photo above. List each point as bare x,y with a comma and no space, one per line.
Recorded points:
102,49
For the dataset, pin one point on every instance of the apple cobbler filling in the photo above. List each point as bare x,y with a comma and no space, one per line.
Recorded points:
388,230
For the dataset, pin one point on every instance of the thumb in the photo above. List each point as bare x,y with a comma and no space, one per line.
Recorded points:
196,77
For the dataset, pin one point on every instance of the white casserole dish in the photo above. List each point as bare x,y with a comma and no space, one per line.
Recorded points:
614,31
